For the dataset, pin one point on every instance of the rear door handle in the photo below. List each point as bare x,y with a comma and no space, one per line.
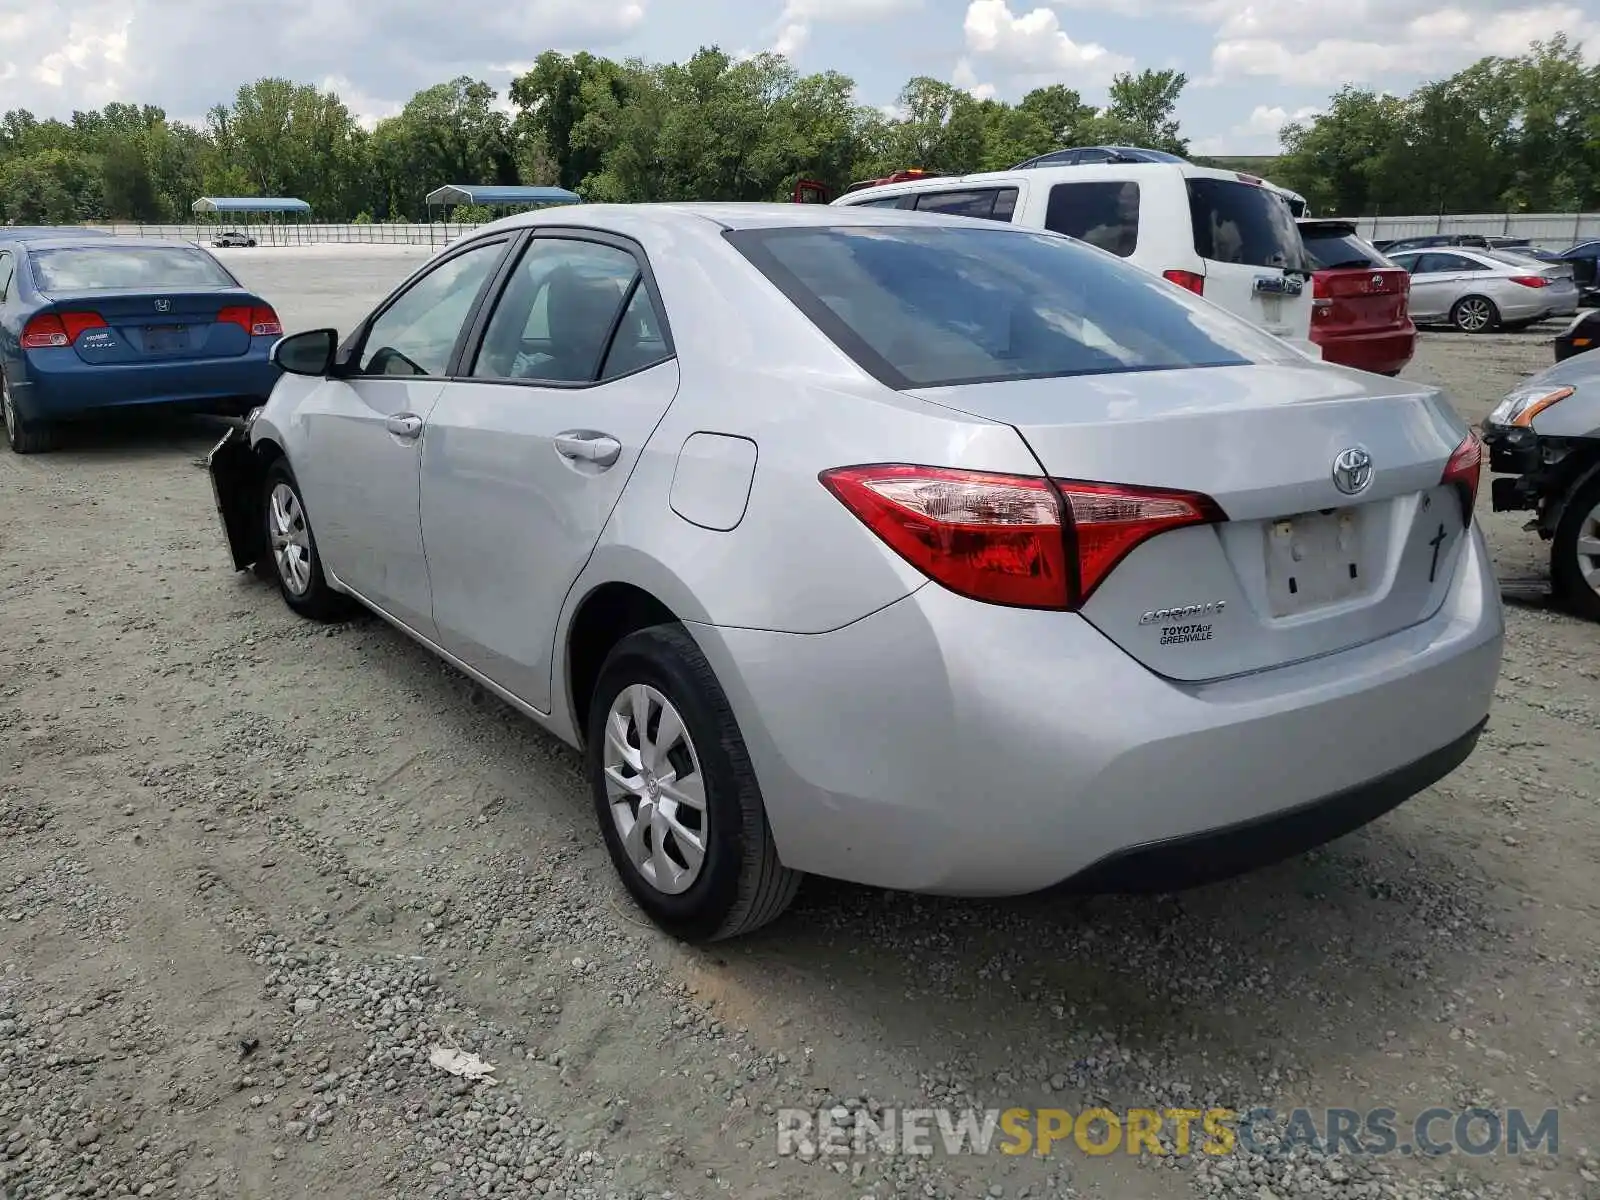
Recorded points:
582,446
406,425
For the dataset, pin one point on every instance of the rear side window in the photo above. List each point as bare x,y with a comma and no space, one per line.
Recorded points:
992,204
931,307
85,268
1333,248
7,269
1243,224
1102,214
886,202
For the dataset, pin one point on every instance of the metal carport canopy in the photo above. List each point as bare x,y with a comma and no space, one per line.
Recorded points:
499,195
250,204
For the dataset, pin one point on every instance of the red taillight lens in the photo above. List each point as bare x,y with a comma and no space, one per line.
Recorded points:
991,537
259,321
50,330
1463,470
1011,539
1187,279
1531,281
264,322
1107,521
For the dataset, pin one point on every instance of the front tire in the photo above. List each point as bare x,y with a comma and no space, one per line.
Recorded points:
292,548
1475,314
675,794
24,437
1575,552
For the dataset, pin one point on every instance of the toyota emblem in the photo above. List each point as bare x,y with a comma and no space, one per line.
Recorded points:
1377,283
1352,471
163,305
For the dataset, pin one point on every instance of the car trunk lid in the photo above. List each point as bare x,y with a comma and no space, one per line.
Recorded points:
1300,568
162,324
1360,299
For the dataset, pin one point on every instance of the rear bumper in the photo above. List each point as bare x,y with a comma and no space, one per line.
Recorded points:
60,386
1382,351
943,745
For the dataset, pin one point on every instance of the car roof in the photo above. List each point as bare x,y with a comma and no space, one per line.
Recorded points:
1086,173
97,242
709,216
1328,223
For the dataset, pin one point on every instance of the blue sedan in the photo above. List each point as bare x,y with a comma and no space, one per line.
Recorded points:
93,323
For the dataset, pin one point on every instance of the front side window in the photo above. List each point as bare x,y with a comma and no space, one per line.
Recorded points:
931,307
107,268
556,318
1240,223
417,334
1102,214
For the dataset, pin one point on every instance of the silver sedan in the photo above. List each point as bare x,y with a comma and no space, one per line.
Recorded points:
910,550
1481,290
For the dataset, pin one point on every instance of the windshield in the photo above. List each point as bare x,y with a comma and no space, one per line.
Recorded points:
1245,224
100,268
1332,248
931,307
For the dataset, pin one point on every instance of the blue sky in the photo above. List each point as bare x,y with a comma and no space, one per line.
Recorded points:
1252,63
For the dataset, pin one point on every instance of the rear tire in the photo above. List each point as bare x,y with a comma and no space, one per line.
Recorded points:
1475,314
292,549
24,437
670,776
1575,552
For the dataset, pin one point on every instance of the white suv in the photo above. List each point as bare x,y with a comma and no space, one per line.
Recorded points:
1229,237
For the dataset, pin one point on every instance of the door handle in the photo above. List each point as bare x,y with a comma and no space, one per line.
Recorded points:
406,425
598,448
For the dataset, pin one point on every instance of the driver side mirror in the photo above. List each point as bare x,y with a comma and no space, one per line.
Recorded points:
308,353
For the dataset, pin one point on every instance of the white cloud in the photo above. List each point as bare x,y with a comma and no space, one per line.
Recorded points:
965,78
1032,47
1256,134
794,23
1322,43
59,55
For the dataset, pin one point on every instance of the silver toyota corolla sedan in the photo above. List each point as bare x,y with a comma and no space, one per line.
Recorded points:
910,550
1479,291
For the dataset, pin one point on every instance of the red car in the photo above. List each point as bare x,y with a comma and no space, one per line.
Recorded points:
1360,308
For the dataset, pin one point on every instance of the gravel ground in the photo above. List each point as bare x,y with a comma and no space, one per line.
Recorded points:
253,871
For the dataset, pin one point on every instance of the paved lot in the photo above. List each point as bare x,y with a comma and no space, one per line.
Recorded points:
253,870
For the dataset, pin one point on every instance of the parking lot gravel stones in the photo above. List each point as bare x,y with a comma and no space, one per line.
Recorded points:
253,873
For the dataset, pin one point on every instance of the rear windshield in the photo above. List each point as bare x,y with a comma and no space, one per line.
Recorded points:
1330,249
932,307
92,268
1244,224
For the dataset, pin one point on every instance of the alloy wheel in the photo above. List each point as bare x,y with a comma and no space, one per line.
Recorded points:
1473,315
1588,549
291,538
655,790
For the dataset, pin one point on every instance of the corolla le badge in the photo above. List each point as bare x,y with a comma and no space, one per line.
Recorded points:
163,305
1352,471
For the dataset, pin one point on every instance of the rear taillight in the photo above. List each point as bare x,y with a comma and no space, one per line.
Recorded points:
1107,521
1531,281
1010,539
259,321
58,329
1462,471
1188,280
